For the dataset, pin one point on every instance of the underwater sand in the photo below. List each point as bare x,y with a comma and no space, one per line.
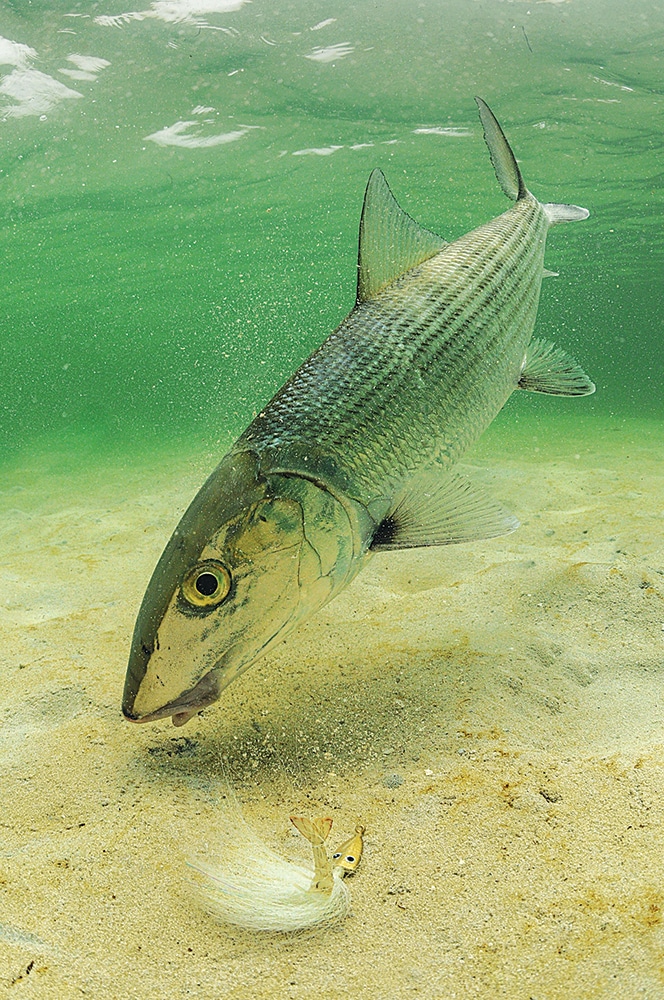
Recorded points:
493,713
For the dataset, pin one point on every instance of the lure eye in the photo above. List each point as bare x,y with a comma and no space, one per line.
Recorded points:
207,584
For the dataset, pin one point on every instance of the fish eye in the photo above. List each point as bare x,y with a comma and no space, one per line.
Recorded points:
337,855
350,859
207,584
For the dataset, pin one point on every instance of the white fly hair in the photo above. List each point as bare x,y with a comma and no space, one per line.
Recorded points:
253,887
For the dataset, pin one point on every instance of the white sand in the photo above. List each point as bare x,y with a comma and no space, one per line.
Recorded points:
493,713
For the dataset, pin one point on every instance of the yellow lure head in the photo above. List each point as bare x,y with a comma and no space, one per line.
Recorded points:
348,856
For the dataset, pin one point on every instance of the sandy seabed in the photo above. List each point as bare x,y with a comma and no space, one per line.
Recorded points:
493,713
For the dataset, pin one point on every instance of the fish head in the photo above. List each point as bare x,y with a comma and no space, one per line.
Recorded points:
240,570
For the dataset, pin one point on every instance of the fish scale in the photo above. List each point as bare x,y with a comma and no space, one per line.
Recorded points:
414,351
353,454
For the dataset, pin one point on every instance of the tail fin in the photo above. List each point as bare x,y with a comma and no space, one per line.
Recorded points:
315,830
502,157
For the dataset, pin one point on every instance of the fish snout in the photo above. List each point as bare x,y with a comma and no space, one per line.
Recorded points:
181,709
139,658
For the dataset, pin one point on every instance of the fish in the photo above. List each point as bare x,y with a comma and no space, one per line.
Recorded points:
355,454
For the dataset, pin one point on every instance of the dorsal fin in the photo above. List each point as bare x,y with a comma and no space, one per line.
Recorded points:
502,157
391,243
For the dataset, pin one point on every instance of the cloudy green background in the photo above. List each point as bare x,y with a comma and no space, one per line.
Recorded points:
162,279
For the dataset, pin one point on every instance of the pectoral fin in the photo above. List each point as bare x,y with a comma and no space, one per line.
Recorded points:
391,243
442,510
547,368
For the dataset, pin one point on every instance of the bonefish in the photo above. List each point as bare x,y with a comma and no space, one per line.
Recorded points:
356,452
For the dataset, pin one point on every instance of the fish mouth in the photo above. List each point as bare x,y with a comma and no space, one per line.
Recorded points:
185,706
207,690
190,702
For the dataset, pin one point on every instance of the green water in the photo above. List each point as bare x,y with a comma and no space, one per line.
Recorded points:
180,191
155,290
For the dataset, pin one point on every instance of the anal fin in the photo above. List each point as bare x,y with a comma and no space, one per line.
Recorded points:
564,213
441,510
549,369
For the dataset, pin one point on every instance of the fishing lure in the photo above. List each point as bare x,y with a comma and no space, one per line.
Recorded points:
254,887
347,858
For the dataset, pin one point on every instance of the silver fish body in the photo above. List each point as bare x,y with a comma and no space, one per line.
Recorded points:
354,453
418,372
